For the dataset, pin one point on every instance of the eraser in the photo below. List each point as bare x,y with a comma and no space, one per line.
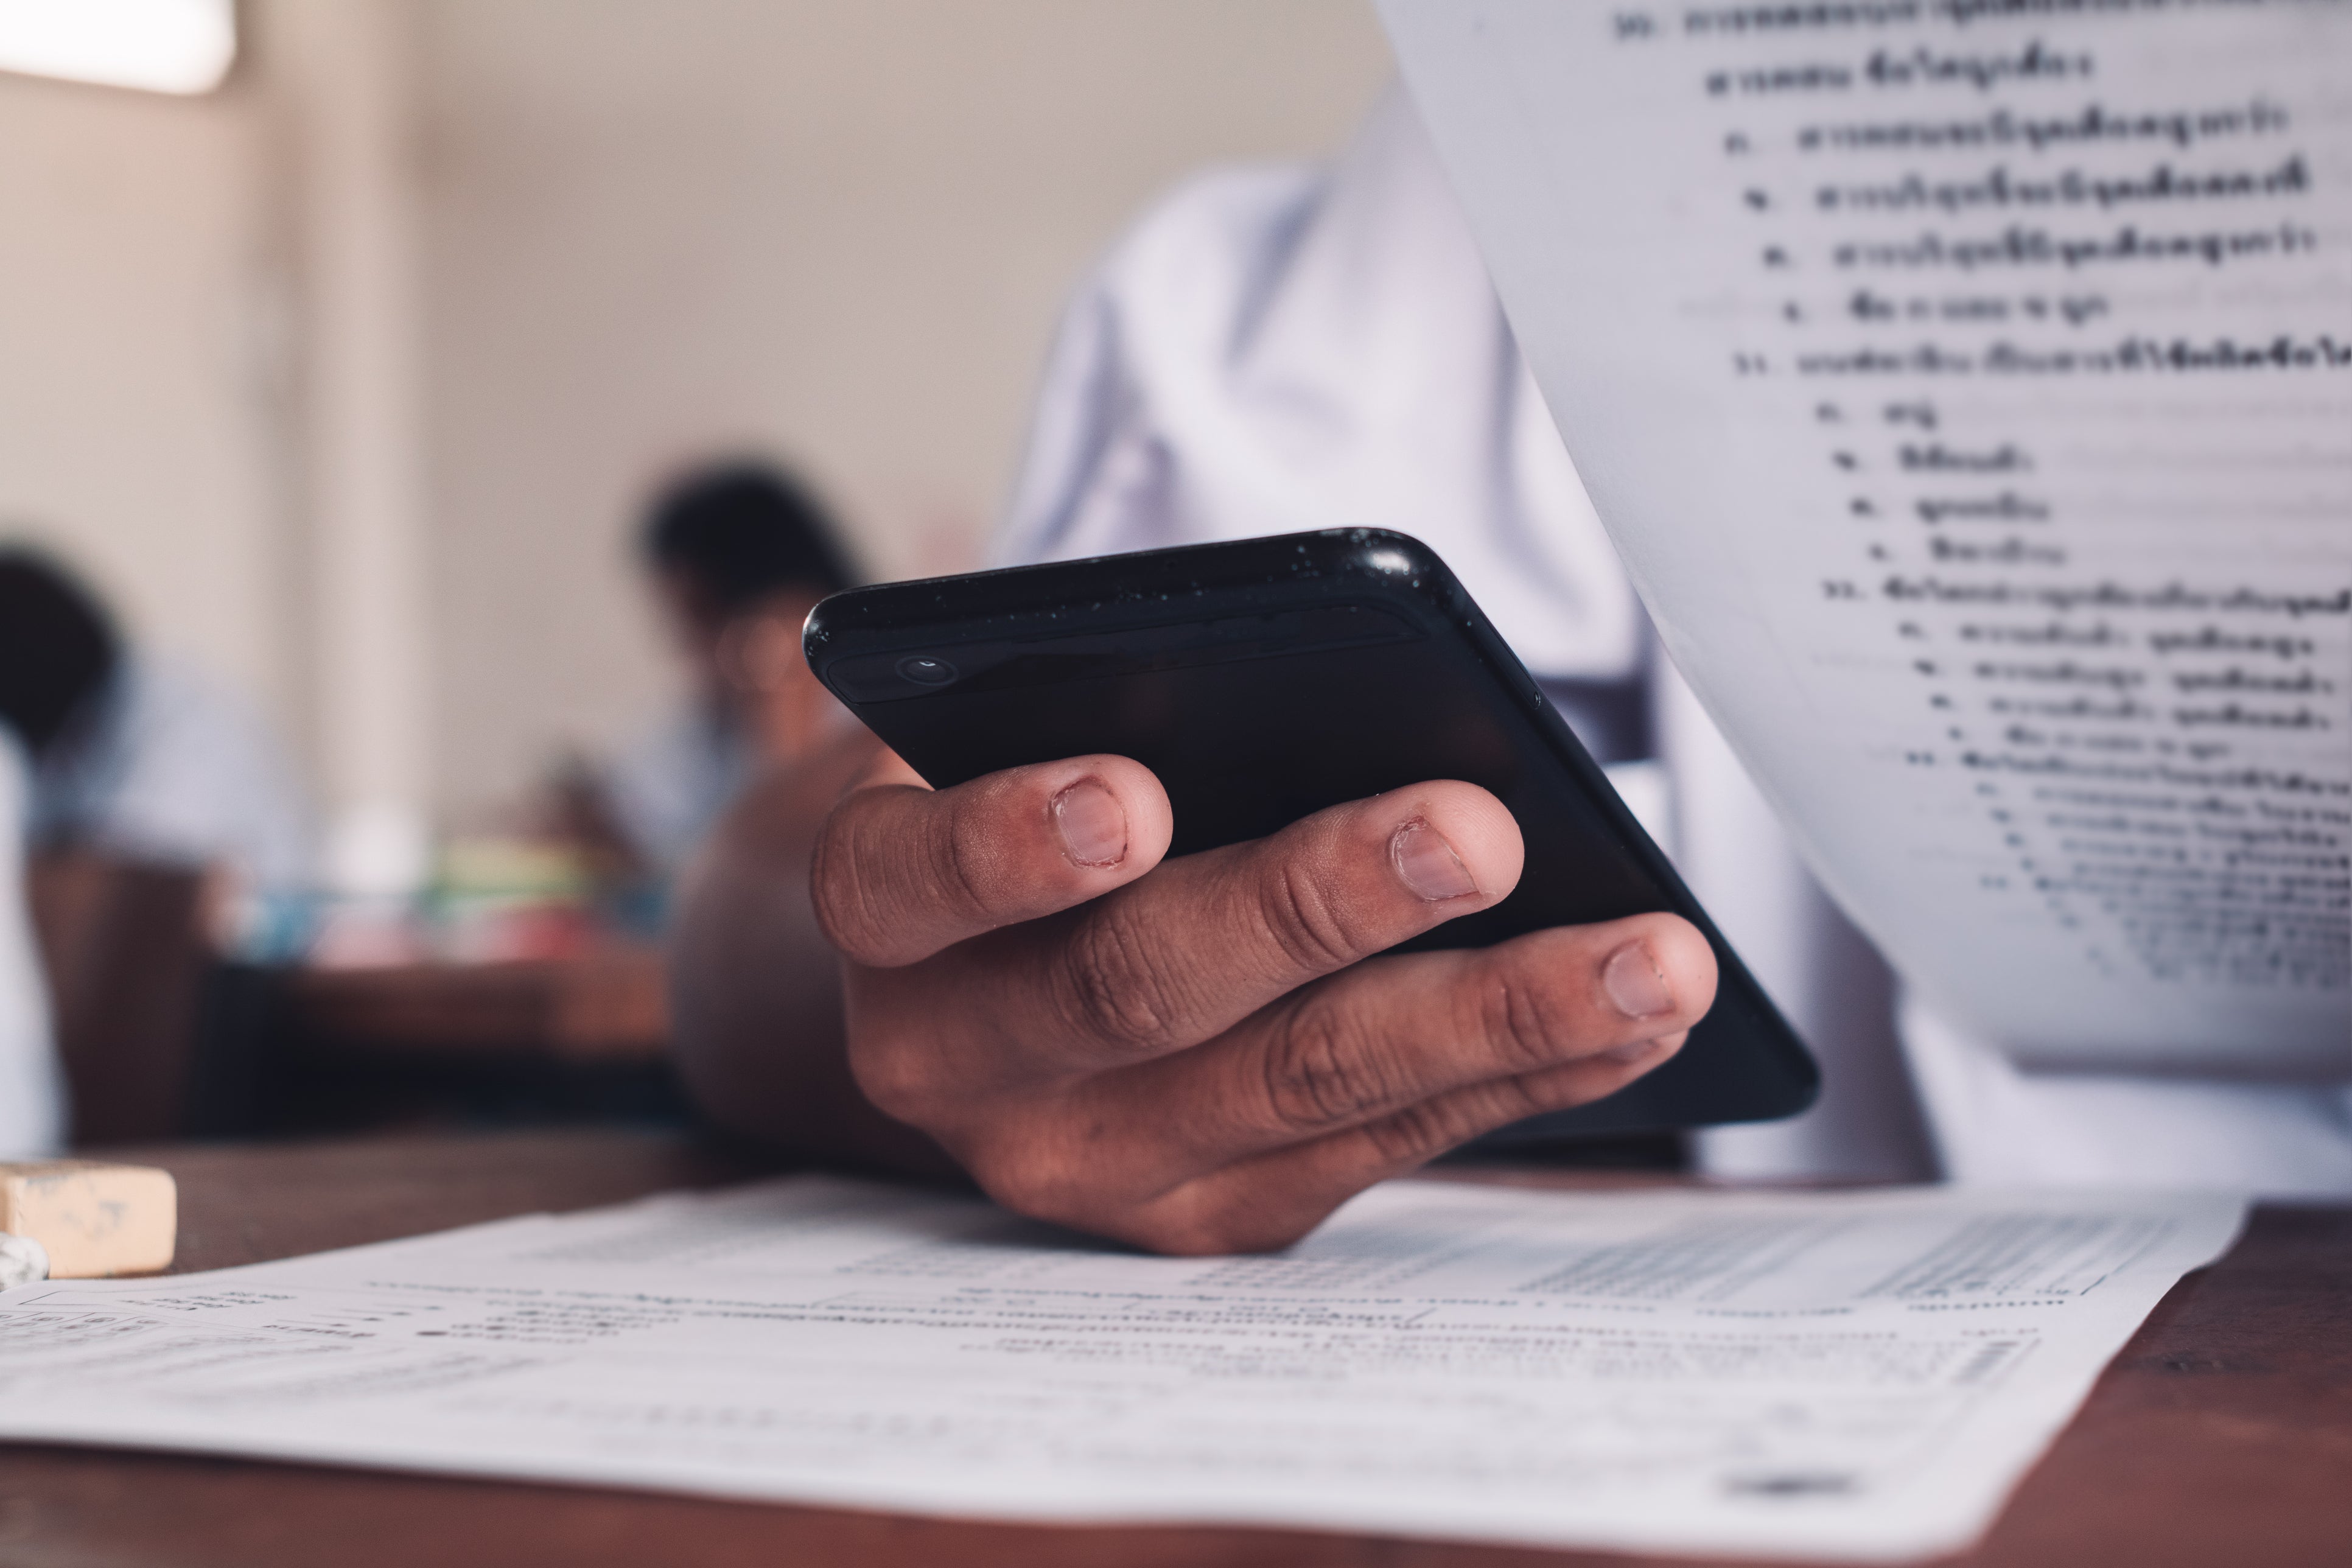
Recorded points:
93,1218
23,1261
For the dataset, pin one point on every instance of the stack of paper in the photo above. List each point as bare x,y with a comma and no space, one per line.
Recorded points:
1858,1375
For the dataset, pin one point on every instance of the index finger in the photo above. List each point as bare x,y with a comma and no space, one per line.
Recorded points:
902,871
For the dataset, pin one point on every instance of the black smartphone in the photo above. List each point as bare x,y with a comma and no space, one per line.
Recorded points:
1267,678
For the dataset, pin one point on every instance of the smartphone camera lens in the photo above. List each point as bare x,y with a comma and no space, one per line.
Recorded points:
924,670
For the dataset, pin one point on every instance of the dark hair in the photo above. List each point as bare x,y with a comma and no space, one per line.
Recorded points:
57,647
739,531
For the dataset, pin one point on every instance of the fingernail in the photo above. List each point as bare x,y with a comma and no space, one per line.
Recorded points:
1630,1053
1092,822
1428,865
1633,980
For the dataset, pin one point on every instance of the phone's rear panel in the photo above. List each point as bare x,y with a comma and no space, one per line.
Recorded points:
1308,731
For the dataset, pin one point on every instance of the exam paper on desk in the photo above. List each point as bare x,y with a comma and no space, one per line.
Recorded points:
1857,1375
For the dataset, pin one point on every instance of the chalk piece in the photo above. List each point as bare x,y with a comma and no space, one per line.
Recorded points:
95,1219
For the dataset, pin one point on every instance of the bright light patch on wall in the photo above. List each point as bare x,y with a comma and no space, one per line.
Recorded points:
161,45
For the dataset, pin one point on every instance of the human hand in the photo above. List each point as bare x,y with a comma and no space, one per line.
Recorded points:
1205,1055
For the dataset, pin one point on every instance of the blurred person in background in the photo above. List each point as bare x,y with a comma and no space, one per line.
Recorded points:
738,555
151,823
142,757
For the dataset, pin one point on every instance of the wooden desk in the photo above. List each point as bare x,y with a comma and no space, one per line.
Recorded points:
605,1006
581,1040
2221,1436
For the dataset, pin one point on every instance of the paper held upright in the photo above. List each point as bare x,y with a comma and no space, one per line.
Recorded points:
1968,390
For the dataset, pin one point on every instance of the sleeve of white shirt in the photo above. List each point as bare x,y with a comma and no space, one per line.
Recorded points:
32,1105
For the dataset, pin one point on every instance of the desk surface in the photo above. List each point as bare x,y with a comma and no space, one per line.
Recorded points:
2221,1434
607,1006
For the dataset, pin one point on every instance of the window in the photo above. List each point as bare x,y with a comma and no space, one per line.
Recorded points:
160,45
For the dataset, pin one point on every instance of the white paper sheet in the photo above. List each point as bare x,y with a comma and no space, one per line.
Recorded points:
1857,1375
1968,384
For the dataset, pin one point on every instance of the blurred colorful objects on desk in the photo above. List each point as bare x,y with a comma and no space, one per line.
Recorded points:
515,946
492,899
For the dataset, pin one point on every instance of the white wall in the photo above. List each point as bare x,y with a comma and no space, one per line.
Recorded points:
639,230
840,232
138,376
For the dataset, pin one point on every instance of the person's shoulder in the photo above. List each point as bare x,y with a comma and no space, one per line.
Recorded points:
163,701
152,686
178,734
1227,201
666,784
1218,227
680,735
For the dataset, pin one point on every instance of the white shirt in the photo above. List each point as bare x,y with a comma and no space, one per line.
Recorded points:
668,788
177,769
32,1098
1276,349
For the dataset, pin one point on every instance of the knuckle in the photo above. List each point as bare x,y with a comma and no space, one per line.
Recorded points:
1031,1180
870,867
1115,990
1304,921
1321,1071
961,874
1428,1129
898,1082
1180,1226
1416,1132
837,892
875,864
1527,1021
1183,1239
